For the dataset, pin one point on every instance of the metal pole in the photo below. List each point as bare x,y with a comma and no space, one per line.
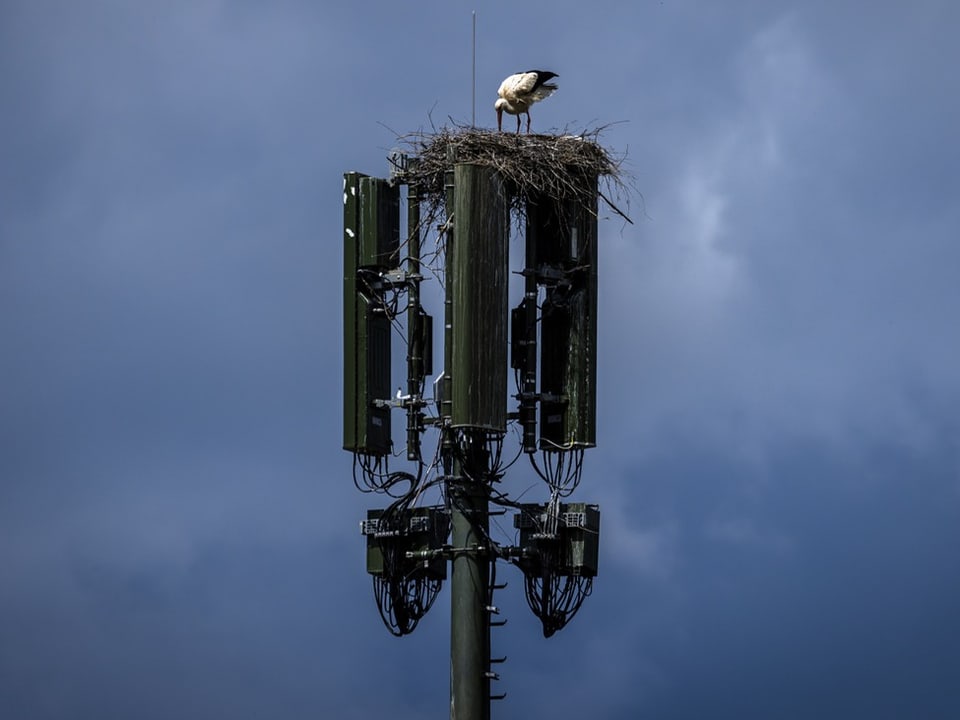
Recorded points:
445,386
469,616
473,85
528,388
415,348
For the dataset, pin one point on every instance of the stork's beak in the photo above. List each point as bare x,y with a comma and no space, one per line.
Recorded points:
499,119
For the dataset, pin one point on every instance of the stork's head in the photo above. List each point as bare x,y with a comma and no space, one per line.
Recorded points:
499,105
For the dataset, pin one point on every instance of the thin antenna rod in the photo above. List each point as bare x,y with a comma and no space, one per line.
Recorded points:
473,92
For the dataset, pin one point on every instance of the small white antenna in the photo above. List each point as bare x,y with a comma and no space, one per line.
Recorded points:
473,110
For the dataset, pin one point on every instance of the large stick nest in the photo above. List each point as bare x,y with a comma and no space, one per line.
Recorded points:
559,167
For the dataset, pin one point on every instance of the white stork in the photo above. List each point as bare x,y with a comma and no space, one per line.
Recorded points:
518,92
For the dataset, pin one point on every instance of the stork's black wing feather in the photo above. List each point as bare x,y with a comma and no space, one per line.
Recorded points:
542,77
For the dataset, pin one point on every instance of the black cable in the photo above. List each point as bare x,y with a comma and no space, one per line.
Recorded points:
555,598
405,590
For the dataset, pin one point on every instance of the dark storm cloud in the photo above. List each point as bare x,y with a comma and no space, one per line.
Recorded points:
778,466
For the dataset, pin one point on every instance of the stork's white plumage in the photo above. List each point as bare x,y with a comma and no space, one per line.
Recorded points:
518,92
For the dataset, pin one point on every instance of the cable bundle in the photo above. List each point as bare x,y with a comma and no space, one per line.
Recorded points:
555,598
406,588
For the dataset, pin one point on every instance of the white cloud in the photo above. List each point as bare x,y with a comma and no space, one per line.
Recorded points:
758,301
745,531
640,551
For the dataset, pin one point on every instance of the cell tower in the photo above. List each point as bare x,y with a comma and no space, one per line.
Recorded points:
468,186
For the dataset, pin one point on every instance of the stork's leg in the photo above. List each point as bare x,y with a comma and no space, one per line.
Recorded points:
518,123
528,121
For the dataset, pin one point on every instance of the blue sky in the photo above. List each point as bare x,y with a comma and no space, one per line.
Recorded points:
778,460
